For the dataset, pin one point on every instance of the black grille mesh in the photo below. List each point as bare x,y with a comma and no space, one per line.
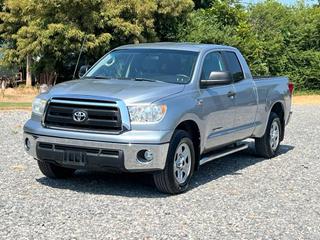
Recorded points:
100,118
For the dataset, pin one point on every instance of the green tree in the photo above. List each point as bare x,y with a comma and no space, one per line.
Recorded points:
169,15
225,22
289,41
52,31
202,3
275,39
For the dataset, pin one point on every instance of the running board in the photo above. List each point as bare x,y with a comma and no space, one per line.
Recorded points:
223,153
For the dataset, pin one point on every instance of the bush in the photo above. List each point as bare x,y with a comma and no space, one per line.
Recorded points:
275,39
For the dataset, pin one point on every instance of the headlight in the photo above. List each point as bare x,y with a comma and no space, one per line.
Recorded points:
147,113
38,106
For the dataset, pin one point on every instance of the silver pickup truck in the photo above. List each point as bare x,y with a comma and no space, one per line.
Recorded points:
162,108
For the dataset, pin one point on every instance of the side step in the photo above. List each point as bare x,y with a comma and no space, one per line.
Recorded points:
222,153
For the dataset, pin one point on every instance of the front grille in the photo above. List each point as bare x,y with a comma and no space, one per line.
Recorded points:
101,116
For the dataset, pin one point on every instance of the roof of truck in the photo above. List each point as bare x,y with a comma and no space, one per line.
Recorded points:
197,47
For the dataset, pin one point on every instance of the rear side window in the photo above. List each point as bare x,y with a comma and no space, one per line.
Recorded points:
234,66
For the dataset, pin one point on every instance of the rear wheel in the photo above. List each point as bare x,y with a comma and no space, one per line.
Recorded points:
179,167
53,171
268,145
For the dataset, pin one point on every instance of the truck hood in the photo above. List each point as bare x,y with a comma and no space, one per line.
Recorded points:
129,91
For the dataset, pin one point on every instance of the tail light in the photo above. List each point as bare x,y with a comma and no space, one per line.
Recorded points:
291,87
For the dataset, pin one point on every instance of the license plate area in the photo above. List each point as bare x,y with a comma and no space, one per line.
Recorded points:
75,158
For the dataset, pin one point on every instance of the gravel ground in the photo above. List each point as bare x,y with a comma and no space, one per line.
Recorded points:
237,197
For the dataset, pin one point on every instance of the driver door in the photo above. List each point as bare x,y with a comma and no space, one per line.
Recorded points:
218,104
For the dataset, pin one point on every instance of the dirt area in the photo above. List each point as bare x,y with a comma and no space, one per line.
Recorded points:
307,99
19,94
17,98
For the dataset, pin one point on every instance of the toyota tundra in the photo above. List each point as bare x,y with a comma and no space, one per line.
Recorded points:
162,108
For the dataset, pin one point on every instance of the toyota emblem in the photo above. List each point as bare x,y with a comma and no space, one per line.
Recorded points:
80,116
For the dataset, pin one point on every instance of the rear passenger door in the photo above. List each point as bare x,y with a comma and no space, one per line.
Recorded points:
245,97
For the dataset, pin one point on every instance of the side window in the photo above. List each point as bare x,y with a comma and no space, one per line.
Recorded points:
234,66
212,63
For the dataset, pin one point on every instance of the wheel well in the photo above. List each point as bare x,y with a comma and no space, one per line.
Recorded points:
192,128
278,109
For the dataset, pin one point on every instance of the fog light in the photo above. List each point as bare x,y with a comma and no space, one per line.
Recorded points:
145,156
148,155
27,144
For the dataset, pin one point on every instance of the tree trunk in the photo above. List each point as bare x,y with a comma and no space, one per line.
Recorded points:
29,77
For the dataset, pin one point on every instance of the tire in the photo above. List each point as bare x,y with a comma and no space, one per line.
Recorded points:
53,171
172,180
264,147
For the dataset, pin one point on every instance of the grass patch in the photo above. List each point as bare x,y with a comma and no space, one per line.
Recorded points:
306,92
15,105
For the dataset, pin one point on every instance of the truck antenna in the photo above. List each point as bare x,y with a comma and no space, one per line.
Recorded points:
80,53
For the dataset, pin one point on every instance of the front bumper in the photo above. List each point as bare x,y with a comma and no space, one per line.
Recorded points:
46,148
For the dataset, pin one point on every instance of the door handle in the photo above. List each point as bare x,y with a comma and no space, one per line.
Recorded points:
199,102
231,94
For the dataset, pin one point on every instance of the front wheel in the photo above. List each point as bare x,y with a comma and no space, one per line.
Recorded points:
179,167
268,145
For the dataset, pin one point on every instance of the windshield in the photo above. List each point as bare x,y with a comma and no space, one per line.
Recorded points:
171,66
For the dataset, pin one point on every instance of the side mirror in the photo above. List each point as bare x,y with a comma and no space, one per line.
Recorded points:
217,78
83,69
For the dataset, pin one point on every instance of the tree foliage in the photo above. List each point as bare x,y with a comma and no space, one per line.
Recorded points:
276,39
52,31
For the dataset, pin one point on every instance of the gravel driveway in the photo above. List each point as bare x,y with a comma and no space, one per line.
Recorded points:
237,197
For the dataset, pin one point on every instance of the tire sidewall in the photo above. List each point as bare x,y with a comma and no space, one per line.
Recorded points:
179,138
273,117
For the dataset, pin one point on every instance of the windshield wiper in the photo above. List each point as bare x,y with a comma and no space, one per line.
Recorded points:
146,79
99,77
109,77
123,78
